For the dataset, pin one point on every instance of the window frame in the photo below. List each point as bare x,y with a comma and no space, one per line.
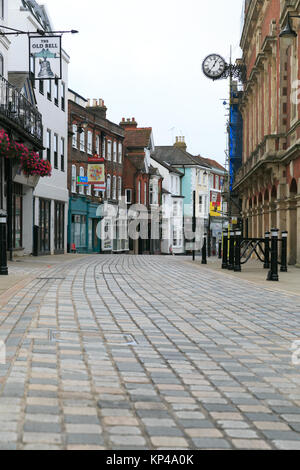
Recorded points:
73,179
48,145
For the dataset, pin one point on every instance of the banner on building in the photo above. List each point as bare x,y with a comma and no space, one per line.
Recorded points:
82,181
96,174
99,187
45,57
215,204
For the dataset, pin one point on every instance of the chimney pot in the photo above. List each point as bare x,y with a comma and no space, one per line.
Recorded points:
95,103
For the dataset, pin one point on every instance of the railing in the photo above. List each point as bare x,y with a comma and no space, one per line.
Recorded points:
18,109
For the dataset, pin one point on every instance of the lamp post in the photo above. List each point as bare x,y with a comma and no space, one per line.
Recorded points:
288,32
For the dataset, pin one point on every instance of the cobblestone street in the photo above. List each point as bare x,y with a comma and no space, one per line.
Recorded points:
128,352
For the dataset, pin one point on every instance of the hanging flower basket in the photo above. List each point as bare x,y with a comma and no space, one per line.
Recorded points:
33,165
4,143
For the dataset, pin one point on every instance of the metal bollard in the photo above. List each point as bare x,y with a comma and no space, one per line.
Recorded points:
220,249
273,273
237,251
36,232
225,250
3,246
267,250
204,250
284,268
231,251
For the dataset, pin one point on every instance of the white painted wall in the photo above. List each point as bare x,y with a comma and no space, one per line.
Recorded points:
54,118
167,208
4,41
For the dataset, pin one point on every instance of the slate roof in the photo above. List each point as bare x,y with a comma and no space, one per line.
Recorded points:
166,165
214,164
176,156
138,137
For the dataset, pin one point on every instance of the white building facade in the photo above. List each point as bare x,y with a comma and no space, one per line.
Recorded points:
172,241
45,205
4,49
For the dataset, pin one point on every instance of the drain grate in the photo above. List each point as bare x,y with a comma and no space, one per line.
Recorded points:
51,278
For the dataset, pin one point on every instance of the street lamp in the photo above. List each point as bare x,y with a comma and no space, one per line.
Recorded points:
288,32
82,127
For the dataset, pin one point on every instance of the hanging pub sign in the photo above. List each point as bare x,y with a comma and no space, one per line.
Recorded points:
45,57
215,204
96,173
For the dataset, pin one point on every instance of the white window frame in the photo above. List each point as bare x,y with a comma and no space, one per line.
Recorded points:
98,144
75,136
108,187
104,148
115,151
120,187
81,173
120,150
82,142
90,142
109,148
114,187
74,178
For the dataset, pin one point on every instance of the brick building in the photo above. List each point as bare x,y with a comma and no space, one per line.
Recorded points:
269,180
91,134
142,182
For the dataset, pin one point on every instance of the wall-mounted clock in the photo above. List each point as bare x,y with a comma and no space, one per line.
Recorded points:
214,66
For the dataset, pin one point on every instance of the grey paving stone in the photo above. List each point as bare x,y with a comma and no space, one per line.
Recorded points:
37,409
201,423
85,439
31,426
282,435
210,443
163,431
81,419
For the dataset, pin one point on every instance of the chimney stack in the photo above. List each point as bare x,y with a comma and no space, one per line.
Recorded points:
98,107
180,143
129,123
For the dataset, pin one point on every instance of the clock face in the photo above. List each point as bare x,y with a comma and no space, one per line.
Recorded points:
213,66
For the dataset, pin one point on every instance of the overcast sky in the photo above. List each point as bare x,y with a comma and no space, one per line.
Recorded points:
143,57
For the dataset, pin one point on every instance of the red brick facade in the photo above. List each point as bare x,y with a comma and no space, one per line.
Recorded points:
269,180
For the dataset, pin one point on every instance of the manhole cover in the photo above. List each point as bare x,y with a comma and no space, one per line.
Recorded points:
116,339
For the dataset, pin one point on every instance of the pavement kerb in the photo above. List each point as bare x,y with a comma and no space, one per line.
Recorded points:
228,274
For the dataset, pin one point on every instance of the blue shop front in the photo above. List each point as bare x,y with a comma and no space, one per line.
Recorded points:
82,226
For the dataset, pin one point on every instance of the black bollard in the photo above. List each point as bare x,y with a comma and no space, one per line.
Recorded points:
36,233
237,251
3,246
231,251
204,251
220,249
273,273
225,250
284,268
267,251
